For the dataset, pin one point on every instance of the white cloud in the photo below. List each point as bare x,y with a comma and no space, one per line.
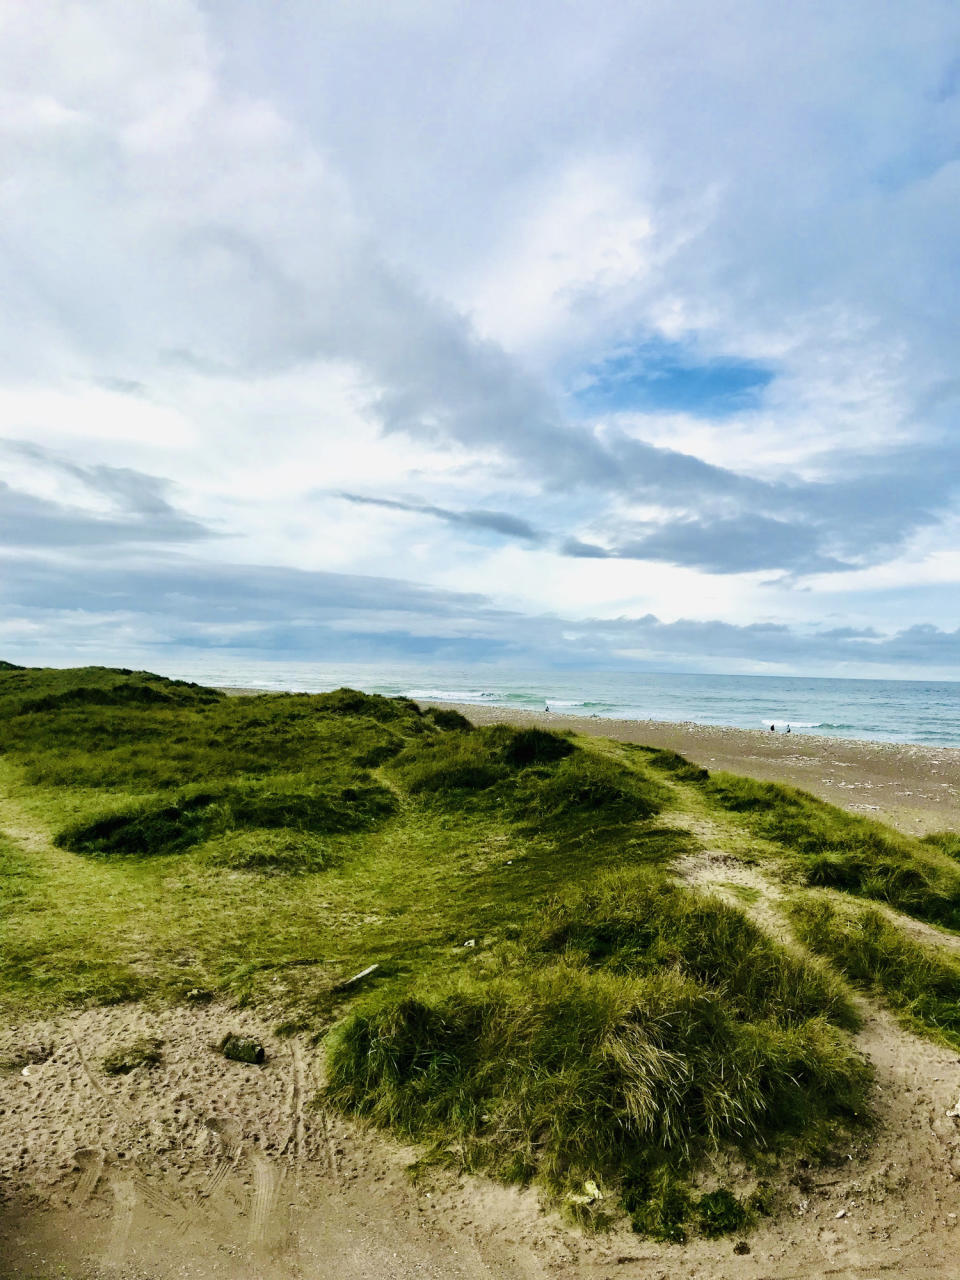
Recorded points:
265,253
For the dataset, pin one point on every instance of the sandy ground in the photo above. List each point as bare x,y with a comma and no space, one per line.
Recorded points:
200,1167
913,787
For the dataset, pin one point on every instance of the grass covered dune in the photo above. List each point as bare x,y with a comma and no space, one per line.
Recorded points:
911,786
567,991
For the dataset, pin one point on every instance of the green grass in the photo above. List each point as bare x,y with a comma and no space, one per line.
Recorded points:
833,849
477,760
251,847
638,923
670,762
947,842
608,1030
919,981
189,819
608,1050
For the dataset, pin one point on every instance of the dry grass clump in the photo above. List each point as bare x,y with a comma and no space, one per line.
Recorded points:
145,1051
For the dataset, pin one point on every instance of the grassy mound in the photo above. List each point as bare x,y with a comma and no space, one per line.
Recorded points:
837,850
867,946
447,718
280,851
641,923
164,828
476,759
539,778
142,733
586,790
570,1069
372,706
671,762
25,690
144,831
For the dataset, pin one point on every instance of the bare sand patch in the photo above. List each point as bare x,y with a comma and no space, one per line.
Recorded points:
203,1167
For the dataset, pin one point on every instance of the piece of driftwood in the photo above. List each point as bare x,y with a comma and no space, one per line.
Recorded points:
357,977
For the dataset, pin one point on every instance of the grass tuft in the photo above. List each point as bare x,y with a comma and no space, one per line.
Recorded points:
837,850
947,842
869,947
566,1068
143,1052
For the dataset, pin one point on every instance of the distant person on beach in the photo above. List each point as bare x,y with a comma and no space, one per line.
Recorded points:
788,728
546,705
773,728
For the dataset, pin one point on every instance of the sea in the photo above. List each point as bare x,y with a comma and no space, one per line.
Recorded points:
879,710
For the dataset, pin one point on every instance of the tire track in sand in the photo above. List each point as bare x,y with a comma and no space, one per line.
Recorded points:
333,1162
227,1134
124,1203
91,1171
112,1104
262,1200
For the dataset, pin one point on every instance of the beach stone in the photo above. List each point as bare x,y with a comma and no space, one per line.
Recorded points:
242,1049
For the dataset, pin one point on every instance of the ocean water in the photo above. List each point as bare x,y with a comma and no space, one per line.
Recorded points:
884,710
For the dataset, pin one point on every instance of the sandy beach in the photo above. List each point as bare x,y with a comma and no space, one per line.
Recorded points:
913,787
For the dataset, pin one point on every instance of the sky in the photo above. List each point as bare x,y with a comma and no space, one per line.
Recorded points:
442,330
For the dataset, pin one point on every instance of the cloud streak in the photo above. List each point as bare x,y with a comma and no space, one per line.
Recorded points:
176,604
498,522
30,521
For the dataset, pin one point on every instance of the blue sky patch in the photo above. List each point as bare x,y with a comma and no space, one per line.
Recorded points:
658,375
